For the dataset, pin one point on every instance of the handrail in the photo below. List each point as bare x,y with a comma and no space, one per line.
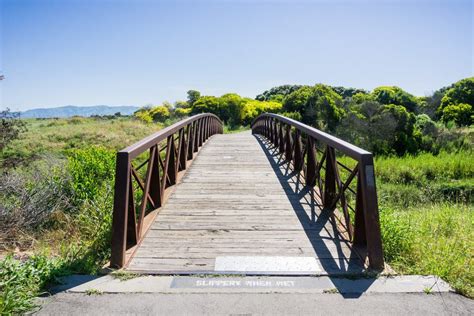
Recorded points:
144,144
347,148
130,223
298,143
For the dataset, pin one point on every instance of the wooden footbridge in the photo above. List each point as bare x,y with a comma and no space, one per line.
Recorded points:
283,199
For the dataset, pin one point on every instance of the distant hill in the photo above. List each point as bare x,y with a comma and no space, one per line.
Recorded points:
71,110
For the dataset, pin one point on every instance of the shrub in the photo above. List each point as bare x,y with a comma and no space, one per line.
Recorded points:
160,113
253,108
30,195
143,115
462,114
21,281
319,106
10,129
395,95
90,169
182,112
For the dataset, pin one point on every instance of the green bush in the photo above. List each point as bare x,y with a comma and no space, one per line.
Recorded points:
319,106
395,95
30,196
21,281
160,113
462,114
460,92
90,169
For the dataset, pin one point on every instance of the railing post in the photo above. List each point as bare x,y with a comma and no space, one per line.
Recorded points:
155,185
197,135
267,128
201,132
207,128
310,176
171,165
288,144
120,211
371,212
360,236
298,158
275,132
132,233
182,151
270,129
330,178
282,139
190,136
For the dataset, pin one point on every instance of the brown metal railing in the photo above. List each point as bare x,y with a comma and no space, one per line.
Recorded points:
316,154
165,154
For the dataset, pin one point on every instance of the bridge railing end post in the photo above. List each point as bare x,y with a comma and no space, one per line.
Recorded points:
370,216
120,210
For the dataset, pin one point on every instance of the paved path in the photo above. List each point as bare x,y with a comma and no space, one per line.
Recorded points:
257,304
262,295
239,209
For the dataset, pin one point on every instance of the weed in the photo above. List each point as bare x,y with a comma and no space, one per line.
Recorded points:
428,290
124,275
94,292
331,291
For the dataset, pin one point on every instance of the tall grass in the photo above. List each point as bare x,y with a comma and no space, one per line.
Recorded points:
54,136
427,215
425,167
435,239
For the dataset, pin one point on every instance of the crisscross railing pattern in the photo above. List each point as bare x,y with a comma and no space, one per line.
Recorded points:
144,172
331,165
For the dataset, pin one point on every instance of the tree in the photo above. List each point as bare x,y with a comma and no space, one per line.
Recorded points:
143,114
462,114
181,105
206,104
348,92
405,137
319,106
231,108
277,93
297,100
160,113
193,96
10,127
182,112
395,95
429,105
460,100
253,108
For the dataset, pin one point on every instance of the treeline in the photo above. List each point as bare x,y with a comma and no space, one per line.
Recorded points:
386,120
233,109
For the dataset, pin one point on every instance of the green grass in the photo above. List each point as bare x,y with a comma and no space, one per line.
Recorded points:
435,239
427,215
425,167
54,136
21,281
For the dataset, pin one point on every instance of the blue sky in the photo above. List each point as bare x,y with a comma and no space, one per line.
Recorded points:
89,52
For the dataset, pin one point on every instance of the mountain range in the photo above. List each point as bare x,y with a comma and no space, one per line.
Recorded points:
72,110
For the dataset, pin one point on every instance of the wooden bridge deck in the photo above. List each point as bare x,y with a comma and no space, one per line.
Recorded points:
239,209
